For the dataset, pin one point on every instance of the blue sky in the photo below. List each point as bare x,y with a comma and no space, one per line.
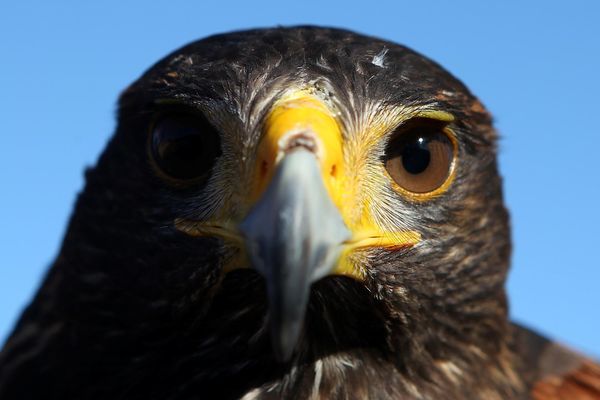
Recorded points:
534,64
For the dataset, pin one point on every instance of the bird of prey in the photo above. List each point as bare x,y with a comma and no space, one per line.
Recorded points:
289,213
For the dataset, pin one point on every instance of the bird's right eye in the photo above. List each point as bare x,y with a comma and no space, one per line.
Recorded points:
184,147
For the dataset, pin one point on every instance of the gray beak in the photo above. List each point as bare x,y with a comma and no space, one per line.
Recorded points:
293,237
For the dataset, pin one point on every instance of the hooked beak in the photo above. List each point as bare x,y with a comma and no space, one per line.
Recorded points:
293,236
295,233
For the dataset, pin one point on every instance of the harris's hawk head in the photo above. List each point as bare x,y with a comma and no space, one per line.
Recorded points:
286,212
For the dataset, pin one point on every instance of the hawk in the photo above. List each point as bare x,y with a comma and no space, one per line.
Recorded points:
289,213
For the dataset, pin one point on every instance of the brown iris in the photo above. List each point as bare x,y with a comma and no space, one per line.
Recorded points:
419,156
184,146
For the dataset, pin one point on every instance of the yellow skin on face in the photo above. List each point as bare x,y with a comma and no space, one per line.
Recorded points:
300,113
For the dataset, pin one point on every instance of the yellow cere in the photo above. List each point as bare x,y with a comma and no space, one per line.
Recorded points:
300,113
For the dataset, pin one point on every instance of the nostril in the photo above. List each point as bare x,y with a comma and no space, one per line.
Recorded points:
333,171
300,140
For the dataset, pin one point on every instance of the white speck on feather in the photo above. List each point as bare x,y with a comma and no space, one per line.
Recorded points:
379,58
252,395
318,377
451,370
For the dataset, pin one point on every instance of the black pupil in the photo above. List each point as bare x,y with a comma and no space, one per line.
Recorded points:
416,156
185,147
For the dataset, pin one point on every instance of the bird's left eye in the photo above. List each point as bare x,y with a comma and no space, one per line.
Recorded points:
419,156
184,147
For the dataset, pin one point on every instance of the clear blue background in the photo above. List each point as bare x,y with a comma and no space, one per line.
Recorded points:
535,65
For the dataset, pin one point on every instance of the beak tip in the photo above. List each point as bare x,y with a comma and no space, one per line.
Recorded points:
284,338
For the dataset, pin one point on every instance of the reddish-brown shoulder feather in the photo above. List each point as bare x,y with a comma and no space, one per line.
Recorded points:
582,383
553,371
